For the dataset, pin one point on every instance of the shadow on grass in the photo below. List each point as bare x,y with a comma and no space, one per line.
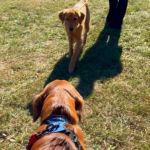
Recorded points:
100,62
29,108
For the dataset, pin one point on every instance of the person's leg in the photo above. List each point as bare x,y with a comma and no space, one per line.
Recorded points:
117,10
112,10
119,14
121,10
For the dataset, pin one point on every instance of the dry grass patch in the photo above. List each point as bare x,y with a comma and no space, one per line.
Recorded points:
112,75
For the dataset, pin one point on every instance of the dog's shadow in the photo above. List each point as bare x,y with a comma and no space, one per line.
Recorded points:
100,62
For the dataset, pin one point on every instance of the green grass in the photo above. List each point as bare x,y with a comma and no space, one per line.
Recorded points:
113,73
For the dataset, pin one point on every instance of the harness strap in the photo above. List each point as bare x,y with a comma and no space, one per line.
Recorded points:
73,138
55,125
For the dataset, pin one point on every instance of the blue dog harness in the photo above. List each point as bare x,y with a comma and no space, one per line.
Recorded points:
56,124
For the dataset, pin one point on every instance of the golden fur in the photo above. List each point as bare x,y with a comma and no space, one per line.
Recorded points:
76,21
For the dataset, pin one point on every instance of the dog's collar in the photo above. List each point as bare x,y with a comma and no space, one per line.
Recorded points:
56,119
56,124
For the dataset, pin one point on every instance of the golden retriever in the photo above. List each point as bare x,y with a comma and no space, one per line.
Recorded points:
76,20
61,102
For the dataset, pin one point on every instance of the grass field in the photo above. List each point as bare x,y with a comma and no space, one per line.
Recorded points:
113,74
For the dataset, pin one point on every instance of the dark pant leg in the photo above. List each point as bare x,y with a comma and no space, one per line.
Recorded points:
117,10
112,10
121,9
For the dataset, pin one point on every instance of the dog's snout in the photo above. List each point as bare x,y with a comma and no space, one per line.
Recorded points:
70,29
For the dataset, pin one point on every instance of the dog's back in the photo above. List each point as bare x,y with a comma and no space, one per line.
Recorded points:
55,141
82,5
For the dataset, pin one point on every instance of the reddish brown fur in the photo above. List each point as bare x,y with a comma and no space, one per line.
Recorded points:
76,18
58,97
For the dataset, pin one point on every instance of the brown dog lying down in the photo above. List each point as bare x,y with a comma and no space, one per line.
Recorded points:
76,21
59,107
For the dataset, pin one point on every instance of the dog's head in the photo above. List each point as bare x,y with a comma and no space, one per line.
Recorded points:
72,18
58,97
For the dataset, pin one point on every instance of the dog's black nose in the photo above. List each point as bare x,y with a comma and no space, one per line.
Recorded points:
70,29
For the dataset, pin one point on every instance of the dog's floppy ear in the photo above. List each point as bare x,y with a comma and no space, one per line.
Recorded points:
79,102
37,106
81,17
62,16
79,105
38,103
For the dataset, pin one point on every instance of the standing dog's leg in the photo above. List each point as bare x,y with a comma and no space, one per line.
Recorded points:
70,47
87,21
75,56
84,38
